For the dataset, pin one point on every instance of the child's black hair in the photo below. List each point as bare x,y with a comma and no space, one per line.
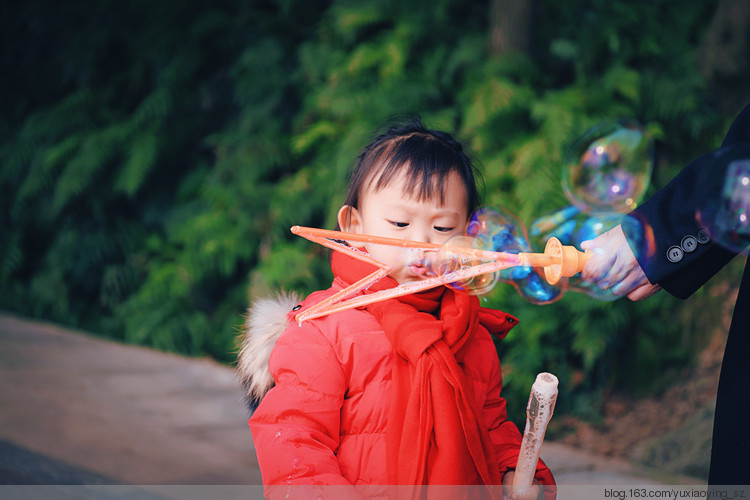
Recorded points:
431,155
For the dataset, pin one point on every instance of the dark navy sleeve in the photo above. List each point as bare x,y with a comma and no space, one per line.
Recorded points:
683,254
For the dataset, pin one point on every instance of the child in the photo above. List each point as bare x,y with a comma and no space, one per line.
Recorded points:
405,391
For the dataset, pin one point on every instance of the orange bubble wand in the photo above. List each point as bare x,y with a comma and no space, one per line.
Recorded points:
557,261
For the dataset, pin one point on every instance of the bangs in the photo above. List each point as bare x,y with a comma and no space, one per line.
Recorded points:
426,164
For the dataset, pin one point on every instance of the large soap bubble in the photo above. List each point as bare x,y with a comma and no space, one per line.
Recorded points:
727,220
609,167
573,227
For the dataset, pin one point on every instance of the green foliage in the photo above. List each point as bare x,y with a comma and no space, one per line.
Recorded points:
154,157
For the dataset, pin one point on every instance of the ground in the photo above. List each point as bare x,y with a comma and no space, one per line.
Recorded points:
671,430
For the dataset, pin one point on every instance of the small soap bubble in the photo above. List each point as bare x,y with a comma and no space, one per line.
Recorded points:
500,228
454,255
535,289
506,234
450,260
609,167
727,220
503,233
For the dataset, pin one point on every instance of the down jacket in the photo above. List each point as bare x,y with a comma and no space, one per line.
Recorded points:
323,405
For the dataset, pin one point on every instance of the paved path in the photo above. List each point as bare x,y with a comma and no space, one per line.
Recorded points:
77,409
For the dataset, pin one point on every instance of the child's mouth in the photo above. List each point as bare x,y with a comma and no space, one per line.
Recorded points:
418,271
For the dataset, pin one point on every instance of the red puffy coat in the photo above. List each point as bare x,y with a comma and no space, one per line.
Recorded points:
324,420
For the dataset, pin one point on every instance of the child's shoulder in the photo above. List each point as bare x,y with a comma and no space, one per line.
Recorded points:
271,321
266,320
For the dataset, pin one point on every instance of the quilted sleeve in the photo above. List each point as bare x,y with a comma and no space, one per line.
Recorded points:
295,428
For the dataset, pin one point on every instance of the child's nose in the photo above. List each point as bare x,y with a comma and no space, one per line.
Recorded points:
423,234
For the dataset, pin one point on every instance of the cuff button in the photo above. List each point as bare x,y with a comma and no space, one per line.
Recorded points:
689,243
704,235
675,254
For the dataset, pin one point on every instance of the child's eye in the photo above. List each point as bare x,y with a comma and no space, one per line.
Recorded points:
441,229
398,224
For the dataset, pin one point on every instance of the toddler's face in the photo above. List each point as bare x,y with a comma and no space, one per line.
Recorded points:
394,213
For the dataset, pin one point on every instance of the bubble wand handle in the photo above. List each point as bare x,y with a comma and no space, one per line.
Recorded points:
558,260
538,414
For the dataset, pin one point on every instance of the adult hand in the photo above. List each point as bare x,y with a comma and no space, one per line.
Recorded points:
613,266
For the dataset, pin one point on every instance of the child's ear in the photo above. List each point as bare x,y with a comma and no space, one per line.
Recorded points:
349,219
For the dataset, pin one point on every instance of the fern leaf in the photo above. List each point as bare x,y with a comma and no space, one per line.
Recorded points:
95,151
322,130
157,105
624,81
348,19
41,174
141,159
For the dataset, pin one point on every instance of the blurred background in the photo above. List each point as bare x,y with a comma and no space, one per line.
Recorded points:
153,156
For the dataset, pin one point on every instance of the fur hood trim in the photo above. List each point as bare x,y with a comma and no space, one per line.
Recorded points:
266,321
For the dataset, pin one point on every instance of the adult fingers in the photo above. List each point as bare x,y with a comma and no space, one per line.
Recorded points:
643,292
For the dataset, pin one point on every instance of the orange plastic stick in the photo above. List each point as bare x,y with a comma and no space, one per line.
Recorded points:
557,261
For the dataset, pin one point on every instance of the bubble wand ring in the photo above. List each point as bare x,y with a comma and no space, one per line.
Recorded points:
557,261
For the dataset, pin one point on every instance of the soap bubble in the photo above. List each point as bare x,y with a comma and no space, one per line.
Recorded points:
534,288
504,233
448,260
555,221
640,239
588,229
727,220
602,222
451,257
609,167
605,175
575,227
